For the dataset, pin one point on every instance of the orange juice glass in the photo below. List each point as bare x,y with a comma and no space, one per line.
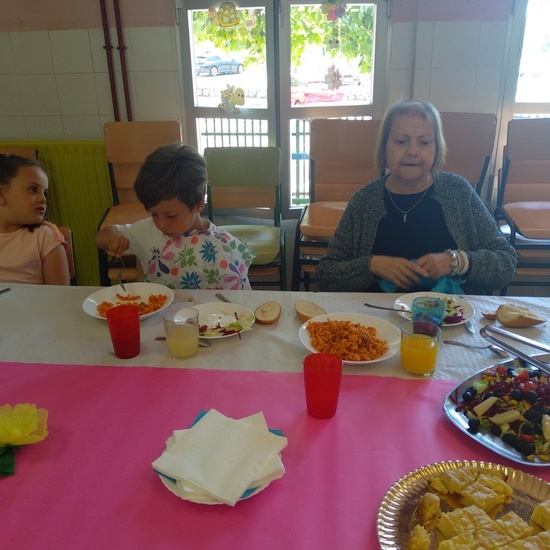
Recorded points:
419,347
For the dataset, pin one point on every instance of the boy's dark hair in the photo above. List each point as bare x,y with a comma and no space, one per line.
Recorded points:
172,171
10,164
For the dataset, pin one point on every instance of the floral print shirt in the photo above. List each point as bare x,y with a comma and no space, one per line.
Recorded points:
210,258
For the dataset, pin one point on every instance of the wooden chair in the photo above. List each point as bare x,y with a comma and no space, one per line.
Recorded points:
69,249
523,201
341,161
247,179
470,141
127,144
27,152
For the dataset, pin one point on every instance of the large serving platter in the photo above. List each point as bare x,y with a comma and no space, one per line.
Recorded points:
403,305
493,442
397,514
384,330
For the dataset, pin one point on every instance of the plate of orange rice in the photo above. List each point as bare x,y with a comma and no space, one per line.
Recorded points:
150,298
357,339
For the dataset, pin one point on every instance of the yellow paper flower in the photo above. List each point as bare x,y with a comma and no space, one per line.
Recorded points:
23,424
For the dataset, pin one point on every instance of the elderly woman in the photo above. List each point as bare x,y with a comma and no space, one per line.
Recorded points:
416,228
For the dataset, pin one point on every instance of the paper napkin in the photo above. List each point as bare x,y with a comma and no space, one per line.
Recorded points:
223,457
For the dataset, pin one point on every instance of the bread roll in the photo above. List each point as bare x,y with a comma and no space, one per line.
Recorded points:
307,310
514,316
268,313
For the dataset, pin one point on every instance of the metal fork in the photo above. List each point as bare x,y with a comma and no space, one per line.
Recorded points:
120,275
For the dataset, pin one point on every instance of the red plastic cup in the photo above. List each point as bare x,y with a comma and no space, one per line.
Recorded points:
123,323
322,377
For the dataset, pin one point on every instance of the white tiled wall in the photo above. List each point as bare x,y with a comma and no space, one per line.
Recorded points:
457,65
55,85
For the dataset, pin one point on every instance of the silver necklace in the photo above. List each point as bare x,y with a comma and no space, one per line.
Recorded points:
405,212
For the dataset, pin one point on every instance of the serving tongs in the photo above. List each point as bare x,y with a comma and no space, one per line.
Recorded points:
487,333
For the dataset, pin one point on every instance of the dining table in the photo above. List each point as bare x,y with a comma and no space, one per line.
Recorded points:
90,483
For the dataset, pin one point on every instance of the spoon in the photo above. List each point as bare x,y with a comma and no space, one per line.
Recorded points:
202,343
492,347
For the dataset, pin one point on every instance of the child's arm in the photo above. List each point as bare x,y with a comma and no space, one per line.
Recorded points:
112,241
55,267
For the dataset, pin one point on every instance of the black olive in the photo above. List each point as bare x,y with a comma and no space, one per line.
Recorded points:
520,445
537,428
510,371
535,373
516,394
528,449
531,396
544,410
473,424
526,428
467,396
496,429
509,438
486,396
498,391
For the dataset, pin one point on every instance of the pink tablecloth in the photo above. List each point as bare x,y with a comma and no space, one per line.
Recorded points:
90,483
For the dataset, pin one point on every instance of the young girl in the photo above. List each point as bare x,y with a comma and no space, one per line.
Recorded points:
31,250
176,246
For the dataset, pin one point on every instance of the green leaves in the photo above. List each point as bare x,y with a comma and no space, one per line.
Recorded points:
7,461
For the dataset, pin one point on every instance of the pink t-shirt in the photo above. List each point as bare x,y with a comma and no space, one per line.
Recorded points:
22,252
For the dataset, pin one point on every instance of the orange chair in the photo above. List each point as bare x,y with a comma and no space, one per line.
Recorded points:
341,161
127,144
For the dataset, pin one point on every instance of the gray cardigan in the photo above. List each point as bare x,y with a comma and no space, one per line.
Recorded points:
345,266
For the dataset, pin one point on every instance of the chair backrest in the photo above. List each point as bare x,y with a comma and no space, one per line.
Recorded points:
341,157
526,167
27,152
127,144
69,249
470,141
244,177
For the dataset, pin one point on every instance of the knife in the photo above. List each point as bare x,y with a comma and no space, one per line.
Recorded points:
470,327
223,298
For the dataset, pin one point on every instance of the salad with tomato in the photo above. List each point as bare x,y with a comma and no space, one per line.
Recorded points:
513,404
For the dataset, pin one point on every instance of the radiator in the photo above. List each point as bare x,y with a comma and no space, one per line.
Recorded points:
79,194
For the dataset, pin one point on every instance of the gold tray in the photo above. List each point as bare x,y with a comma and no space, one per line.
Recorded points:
397,514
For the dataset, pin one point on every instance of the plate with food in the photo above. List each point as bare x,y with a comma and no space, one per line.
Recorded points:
506,408
149,297
221,320
367,339
434,503
458,310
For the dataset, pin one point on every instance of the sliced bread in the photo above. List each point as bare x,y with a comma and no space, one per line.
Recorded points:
514,316
307,310
268,313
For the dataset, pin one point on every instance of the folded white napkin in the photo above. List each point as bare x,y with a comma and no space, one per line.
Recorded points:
222,457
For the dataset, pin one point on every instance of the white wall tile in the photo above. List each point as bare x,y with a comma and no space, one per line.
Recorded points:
10,100
492,44
158,95
44,128
422,82
7,64
453,89
39,94
97,48
487,90
71,51
456,44
12,128
77,94
80,128
103,94
401,54
424,44
152,49
398,85
32,52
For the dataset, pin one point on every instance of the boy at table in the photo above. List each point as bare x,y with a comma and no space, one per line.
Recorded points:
176,246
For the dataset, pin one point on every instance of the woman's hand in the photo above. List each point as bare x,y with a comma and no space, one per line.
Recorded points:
436,265
399,271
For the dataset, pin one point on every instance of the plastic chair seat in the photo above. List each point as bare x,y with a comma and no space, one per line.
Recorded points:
532,219
321,218
263,239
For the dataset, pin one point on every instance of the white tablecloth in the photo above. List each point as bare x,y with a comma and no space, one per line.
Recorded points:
46,324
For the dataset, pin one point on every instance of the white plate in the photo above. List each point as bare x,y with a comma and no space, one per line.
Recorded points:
404,303
108,294
398,514
215,313
384,331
